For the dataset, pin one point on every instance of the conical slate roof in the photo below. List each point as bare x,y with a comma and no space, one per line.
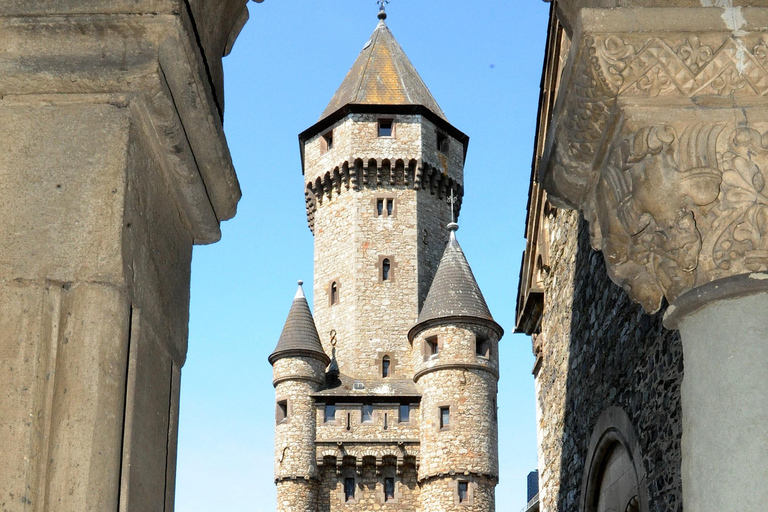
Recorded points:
382,75
299,336
454,293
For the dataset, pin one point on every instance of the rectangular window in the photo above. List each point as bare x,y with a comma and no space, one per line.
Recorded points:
385,367
385,127
380,207
442,143
367,414
405,413
281,411
326,144
389,489
463,492
445,417
431,347
483,346
349,489
390,207
330,413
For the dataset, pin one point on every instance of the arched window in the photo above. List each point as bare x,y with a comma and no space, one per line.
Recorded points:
385,268
385,366
334,293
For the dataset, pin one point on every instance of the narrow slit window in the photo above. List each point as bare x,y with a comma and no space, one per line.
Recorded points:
349,489
442,143
405,413
327,142
385,127
334,293
385,366
431,347
445,417
349,421
390,207
463,492
367,416
386,421
379,207
385,269
389,489
330,413
281,411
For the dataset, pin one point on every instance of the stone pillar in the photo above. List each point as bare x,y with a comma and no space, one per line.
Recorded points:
660,138
113,164
725,393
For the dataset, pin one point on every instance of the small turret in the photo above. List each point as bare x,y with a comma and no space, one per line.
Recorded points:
455,358
298,369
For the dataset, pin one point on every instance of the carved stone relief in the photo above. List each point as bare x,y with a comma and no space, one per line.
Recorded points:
660,140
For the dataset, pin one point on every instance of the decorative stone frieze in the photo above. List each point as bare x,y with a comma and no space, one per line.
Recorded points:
658,138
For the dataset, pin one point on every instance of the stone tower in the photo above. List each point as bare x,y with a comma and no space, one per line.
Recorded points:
383,172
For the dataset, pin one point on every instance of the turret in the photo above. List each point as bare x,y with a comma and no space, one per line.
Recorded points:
298,369
456,366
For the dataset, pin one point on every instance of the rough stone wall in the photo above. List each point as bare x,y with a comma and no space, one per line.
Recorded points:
441,494
456,344
338,430
599,350
369,489
297,496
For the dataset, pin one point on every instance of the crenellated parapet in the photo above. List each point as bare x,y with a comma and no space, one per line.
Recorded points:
375,173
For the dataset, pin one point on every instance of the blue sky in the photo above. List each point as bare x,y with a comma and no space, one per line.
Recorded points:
482,61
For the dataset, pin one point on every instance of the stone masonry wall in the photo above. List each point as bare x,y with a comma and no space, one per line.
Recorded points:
441,494
369,490
338,430
599,350
297,496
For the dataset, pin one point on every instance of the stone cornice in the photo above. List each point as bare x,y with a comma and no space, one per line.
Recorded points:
660,138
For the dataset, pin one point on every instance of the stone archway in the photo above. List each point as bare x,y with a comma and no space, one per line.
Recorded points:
614,475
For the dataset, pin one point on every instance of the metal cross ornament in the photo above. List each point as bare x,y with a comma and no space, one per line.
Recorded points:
452,198
382,4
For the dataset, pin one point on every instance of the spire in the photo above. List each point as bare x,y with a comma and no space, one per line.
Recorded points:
454,294
383,75
299,336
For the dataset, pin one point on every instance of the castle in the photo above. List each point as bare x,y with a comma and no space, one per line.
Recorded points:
386,396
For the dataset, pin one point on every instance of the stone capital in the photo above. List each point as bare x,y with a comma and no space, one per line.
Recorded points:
660,138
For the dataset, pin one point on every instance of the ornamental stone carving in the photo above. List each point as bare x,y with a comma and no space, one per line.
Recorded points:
660,137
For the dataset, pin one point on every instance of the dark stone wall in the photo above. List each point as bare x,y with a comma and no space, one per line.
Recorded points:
599,350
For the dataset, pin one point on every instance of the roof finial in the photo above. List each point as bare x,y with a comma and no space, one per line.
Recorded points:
382,9
452,227
300,291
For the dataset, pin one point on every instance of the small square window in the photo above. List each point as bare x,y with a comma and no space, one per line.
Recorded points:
405,413
463,492
389,489
445,417
326,144
367,416
483,346
281,411
330,413
385,127
349,489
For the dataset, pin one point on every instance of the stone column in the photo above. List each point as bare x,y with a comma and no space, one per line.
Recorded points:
113,164
660,138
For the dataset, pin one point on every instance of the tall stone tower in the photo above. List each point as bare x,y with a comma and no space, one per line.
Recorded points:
404,416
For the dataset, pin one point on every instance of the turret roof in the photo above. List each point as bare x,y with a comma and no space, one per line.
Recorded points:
382,75
454,293
299,336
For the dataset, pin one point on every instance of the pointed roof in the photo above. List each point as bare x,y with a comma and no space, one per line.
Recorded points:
454,294
382,75
299,336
